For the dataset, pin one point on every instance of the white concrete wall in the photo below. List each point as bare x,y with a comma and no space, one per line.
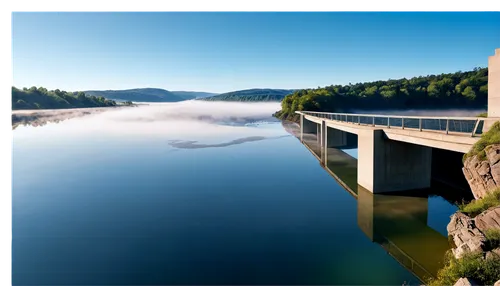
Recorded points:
494,85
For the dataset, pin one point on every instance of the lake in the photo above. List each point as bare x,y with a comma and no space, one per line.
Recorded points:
207,193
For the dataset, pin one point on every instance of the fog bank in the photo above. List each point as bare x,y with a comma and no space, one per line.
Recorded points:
209,122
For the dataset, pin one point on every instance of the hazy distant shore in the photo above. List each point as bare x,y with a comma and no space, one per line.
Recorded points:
39,117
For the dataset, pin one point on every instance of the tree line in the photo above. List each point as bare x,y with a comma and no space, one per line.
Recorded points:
453,90
41,98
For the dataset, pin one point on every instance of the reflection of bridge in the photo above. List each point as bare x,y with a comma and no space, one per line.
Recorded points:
394,152
398,223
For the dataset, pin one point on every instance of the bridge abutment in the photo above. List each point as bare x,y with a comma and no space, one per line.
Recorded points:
387,166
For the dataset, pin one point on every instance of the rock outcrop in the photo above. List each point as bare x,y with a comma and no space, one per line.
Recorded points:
466,236
488,219
465,282
493,253
483,176
468,233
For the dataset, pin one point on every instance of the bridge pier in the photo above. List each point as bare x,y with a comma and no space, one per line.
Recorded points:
321,132
387,166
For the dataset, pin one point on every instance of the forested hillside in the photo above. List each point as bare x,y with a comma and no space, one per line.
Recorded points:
454,90
149,94
138,94
256,94
41,98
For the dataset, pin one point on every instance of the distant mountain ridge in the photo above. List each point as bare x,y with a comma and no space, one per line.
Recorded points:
148,94
255,94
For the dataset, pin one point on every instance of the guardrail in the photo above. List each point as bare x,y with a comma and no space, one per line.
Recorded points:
472,126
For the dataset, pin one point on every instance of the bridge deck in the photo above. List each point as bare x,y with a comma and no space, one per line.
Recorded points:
449,133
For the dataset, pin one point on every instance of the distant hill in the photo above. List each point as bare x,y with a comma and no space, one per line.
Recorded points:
138,94
193,94
256,94
148,94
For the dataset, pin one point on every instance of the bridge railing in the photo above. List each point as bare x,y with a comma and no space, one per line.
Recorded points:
472,126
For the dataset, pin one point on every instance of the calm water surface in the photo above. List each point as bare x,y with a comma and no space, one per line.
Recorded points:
220,195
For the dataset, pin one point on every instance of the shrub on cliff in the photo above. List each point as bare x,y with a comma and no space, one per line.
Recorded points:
488,138
476,207
473,265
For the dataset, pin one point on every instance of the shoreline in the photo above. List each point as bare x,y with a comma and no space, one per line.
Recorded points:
40,117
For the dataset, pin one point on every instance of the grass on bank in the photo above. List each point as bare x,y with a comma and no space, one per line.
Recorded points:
488,138
473,265
476,207
482,114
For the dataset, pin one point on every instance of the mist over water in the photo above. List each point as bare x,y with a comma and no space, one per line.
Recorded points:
188,120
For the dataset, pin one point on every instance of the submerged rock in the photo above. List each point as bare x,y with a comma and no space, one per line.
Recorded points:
483,176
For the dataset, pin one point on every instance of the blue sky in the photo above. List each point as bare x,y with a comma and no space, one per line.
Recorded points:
220,52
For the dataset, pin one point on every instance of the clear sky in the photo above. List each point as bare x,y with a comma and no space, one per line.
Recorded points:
220,52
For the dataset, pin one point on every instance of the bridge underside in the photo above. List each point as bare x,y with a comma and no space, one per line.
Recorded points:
385,164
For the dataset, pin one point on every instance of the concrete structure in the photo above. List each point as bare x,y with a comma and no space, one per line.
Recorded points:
385,165
393,158
339,139
306,126
494,85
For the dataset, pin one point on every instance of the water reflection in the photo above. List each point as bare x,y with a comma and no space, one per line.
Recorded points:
398,222
195,145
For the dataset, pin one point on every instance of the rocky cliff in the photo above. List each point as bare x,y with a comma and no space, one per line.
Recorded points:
482,171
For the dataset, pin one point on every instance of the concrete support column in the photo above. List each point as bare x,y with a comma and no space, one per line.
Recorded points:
318,134
494,84
387,166
322,144
322,134
301,127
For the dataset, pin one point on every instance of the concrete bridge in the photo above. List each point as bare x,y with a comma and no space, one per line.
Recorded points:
394,152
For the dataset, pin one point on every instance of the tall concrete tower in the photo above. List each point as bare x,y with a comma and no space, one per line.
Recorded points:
494,84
